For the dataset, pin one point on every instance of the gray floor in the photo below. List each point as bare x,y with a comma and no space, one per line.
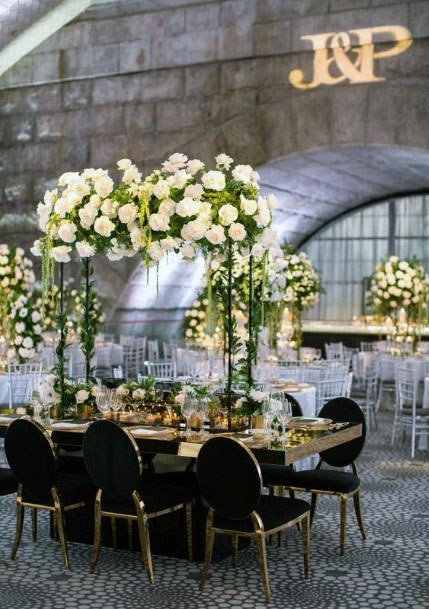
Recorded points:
389,570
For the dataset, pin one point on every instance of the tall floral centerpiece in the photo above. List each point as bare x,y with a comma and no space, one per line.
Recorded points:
298,291
400,291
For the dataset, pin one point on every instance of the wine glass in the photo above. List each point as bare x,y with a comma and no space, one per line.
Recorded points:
203,409
115,402
102,401
37,405
269,413
188,408
284,416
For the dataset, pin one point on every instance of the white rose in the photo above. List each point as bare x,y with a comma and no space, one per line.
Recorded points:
187,251
258,251
228,214
214,180
155,251
242,173
35,317
159,222
128,213
138,394
189,334
249,206
103,186
110,208
81,396
61,253
124,164
223,161
28,343
237,232
23,312
84,249
175,161
167,207
87,215
67,232
178,179
103,226
271,201
187,207
35,250
37,329
216,235
131,174
194,230
168,244
122,391
194,165
161,189
195,191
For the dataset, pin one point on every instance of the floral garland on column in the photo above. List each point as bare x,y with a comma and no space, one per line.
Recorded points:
400,291
26,328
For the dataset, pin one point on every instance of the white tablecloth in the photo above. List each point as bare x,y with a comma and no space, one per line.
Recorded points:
4,390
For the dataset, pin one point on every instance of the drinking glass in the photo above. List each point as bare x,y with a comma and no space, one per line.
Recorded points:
102,401
203,409
188,408
284,416
37,405
115,402
269,413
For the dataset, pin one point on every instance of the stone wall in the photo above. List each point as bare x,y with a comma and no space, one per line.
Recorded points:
143,79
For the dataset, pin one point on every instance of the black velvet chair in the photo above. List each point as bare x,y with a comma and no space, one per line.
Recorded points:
8,482
328,481
33,461
296,406
230,481
114,463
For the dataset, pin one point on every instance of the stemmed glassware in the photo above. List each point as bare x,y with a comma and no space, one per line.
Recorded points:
115,402
284,416
188,408
37,405
203,409
102,401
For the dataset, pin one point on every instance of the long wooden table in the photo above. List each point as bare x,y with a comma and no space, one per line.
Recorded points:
301,443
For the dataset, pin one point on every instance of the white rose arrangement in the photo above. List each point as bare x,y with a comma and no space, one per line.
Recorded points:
195,324
16,278
26,329
76,395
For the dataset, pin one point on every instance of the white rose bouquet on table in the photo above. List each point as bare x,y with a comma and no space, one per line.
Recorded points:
76,395
137,392
250,404
26,329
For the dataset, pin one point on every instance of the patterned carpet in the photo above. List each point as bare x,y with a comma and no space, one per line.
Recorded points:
389,570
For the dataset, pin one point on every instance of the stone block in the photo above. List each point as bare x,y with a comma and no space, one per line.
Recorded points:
349,108
102,59
202,80
30,99
349,20
73,155
21,130
272,38
171,114
18,74
203,17
39,157
273,9
187,48
46,66
161,85
221,108
50,126
11,161
76,94
419,19
344,5
50,44
238,74
235,40
274,71
315,24
244,139
278,124
42,184
78,124
18,189
139,117
134,56
106,151
76,35
234,11
106,120
313,111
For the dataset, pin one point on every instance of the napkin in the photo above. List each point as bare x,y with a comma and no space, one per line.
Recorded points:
8,419
65,424
148,432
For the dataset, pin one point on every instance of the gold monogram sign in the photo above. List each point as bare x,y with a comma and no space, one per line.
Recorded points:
340,56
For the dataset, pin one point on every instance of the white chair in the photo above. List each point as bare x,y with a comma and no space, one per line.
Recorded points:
409,415
366,346
167,350
165,371
334,350
369,399
153,350
23,379
388,364
327,390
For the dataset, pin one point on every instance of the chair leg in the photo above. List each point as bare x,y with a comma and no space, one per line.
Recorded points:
19,526
358,512
188,510
59,514
413,439
314,497
209,550
97,537
305,533
114,536
34,524
54,526
143,525
262,559
130,534
279,539
343,519
234,542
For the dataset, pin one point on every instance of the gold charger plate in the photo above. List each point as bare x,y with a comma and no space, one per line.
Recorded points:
309,423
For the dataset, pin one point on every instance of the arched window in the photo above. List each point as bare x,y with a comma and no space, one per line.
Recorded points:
347,250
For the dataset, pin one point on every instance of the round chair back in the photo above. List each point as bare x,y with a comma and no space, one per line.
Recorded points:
112,458
296,406
342,410
229,477
31,455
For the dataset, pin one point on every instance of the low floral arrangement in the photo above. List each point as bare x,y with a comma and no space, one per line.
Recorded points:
250,405
199,392
75,395
399,283
25,329
137,392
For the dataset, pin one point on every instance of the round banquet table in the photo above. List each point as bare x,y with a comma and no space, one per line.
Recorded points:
4,390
